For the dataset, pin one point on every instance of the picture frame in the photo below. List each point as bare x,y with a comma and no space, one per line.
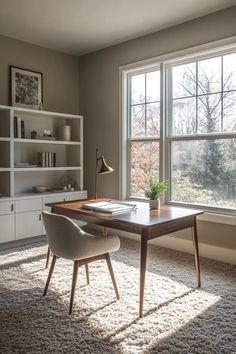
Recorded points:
26,88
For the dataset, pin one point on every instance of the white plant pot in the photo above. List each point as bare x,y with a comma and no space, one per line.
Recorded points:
154,204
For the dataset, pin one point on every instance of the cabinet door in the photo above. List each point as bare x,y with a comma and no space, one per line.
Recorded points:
29,224
7,207
76,195
7,229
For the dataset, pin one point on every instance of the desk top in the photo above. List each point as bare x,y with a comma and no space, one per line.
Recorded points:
133,221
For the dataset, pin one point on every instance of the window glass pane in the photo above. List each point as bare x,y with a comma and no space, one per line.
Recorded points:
184,80
184,116
209,75
209,113
153,86
229,72
144,160
229,109
138,89
207,176
153,119
138,121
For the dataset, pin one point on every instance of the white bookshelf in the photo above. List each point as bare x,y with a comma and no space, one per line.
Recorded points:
16,182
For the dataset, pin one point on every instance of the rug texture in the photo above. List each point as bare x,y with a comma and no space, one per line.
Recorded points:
179,318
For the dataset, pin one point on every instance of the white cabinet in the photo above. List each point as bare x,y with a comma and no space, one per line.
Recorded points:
22,217
77,195
7,228
28,224
20,169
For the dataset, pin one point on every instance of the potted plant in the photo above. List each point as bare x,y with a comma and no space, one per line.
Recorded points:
155,189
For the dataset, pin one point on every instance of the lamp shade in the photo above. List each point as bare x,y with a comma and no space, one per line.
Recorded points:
104,167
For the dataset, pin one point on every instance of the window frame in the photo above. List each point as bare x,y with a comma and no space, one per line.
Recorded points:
131,140
164,64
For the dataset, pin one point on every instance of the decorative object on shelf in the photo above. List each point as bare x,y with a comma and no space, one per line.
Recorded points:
47,133
65,180
40,189
65,133
103,170
26,88
33,134
155,189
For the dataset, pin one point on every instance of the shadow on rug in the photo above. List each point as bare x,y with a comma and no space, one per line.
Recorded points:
178,317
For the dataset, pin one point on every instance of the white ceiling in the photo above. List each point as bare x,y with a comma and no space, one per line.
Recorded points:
82,26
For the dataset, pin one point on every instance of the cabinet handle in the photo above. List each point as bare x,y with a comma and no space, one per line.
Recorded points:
12,207
64,199
40,217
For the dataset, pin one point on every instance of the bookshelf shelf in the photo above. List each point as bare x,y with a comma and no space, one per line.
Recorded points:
45,169
45,141
5,139
5,169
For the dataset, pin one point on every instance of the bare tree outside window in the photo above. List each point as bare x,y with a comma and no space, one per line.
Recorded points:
204,171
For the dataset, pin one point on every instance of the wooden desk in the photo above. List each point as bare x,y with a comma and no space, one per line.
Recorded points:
148,224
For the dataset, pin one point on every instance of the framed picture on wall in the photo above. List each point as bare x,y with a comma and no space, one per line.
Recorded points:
26,88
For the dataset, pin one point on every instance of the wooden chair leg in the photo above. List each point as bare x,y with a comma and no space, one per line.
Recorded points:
50,274
87,272
108,260
74,280
48,257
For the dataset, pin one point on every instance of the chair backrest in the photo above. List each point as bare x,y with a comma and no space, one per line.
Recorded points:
64,236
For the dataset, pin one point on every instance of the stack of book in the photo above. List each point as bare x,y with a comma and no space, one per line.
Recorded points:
46,159
19,128
24,165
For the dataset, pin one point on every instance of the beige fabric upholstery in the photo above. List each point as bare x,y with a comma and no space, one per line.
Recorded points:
68,240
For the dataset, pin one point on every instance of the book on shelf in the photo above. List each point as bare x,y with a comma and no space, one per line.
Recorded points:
15,127
41,159
22,129
24,165
46,159
19,128
109,207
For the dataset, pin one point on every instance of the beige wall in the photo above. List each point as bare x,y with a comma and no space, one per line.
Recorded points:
60,73
99,82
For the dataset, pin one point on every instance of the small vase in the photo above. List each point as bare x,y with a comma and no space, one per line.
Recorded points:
65,133
154,204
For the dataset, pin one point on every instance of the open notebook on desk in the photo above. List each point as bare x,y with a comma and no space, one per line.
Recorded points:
109,207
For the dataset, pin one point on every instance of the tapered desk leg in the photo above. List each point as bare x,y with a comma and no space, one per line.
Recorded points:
143,262
196,253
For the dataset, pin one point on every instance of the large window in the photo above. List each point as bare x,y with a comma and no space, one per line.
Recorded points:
197,106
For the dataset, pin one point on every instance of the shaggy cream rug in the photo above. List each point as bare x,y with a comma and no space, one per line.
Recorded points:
178,317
